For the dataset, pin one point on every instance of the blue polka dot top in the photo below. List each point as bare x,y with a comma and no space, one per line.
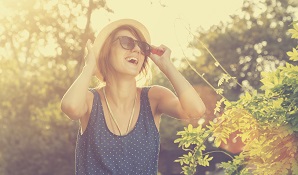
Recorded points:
100,152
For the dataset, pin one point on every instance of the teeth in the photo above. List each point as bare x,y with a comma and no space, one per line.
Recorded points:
132,60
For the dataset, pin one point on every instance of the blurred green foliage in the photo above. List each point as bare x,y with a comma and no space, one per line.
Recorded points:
254,40
41,52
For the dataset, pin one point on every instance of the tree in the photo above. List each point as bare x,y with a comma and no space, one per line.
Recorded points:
42,47
253,41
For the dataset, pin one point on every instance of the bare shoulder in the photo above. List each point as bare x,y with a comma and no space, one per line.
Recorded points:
159,92
166,102
160,97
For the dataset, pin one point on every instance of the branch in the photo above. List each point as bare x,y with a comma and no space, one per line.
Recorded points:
85,35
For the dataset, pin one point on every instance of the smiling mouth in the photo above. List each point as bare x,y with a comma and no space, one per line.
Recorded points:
132,60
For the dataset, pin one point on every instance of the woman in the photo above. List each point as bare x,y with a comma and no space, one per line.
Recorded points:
119,121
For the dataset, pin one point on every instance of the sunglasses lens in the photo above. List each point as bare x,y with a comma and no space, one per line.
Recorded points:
145,48
127,42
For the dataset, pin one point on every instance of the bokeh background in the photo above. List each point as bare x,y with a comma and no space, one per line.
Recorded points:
42,46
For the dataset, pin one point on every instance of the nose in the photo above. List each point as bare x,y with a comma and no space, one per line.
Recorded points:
136,48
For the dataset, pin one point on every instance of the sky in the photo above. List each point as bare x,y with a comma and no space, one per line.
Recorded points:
168,20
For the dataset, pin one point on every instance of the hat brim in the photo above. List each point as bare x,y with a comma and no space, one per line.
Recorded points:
108,29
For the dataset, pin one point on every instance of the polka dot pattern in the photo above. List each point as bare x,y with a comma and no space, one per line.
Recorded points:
99,151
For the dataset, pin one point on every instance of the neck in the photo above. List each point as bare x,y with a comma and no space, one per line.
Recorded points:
121,93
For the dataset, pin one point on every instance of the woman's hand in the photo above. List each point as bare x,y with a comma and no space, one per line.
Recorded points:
90,59
162,61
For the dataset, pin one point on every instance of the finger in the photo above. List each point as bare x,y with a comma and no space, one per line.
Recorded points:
89,45
165,48
153,57
157,51
162,49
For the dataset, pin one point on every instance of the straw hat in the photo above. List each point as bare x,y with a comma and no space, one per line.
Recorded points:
108,29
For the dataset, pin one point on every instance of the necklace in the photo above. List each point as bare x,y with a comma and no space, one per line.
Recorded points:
112,116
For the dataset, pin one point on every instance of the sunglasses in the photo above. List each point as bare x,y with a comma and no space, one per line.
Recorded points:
128,43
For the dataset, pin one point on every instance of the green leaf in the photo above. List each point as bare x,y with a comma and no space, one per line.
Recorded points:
217,142
219,91
295,27
227,103
293,55
277,103
294,31
247,96
178,140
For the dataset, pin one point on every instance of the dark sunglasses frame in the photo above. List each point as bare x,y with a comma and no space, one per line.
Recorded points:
129,43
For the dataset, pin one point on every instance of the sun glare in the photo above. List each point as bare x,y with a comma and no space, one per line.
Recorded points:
167,20
4,12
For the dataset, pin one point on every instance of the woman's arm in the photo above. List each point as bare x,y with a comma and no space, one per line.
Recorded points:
75,102
187,103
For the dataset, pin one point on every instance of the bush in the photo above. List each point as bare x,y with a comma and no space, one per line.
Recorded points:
267,123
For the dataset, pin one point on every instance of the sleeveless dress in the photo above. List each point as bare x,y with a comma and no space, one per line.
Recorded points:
100,152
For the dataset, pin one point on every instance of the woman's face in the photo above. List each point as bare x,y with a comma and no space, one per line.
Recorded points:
123,61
